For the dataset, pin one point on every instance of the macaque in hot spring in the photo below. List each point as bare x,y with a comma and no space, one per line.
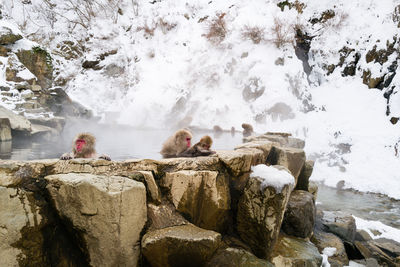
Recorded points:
247,129
201,148
83,146
176,144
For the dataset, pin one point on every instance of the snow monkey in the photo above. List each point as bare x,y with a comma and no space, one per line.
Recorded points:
176,144
201,148
247,129
83,146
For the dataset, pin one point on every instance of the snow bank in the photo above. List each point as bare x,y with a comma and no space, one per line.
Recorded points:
372,227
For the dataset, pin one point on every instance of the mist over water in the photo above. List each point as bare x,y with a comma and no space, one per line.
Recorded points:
118,141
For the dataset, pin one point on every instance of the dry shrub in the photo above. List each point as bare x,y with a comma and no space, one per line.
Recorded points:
147,30
338,20
282,33
256,34
396,15
299,6
165,26
217,29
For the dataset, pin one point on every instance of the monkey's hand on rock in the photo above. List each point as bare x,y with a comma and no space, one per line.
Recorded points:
66,156
103,156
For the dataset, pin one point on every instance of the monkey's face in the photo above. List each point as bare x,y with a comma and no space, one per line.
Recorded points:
188,139
79,145
205,146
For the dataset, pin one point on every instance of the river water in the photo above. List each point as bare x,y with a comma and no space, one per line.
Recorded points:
122,143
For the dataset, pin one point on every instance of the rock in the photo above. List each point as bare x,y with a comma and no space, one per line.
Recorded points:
237,162
313,189
56,123
390,246
362,235
283,139
39,62
260,213
109,210
323,240
36,88
8,36
59,102
153,192
228,257
291,251
265,146
5,149
369,249
4,51
17,72
211,163
185,245
306,171
163,216
291,158
344,226
5,130
17,122
202,196
15,215
41,131
299,215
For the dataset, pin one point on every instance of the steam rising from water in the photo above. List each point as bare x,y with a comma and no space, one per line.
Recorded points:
119,142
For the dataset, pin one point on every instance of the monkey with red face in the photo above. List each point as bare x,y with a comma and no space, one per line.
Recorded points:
201,148
83,147
176,144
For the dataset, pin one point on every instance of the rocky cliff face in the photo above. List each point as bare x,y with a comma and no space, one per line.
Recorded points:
205,211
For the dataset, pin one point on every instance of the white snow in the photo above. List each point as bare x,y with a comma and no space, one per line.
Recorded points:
384,230
272,176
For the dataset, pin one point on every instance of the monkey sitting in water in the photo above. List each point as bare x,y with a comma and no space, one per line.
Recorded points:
201,148
83,147
247,129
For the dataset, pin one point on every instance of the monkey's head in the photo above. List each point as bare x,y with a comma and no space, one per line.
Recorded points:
83,146
206,142
247,127
182,140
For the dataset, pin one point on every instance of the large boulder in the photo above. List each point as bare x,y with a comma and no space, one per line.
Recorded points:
342,225
9,35
228,257
305,174
264,145
109,211
202,196
185,245
283,139
18,215
291,158
17,122
291,251
237,162
261,208
39,62
5,130
323,240
163,216
385,251
300,214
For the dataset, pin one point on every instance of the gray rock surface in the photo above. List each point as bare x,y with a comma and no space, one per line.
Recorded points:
110,210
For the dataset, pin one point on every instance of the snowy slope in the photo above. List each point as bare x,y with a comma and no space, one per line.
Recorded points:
161,65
